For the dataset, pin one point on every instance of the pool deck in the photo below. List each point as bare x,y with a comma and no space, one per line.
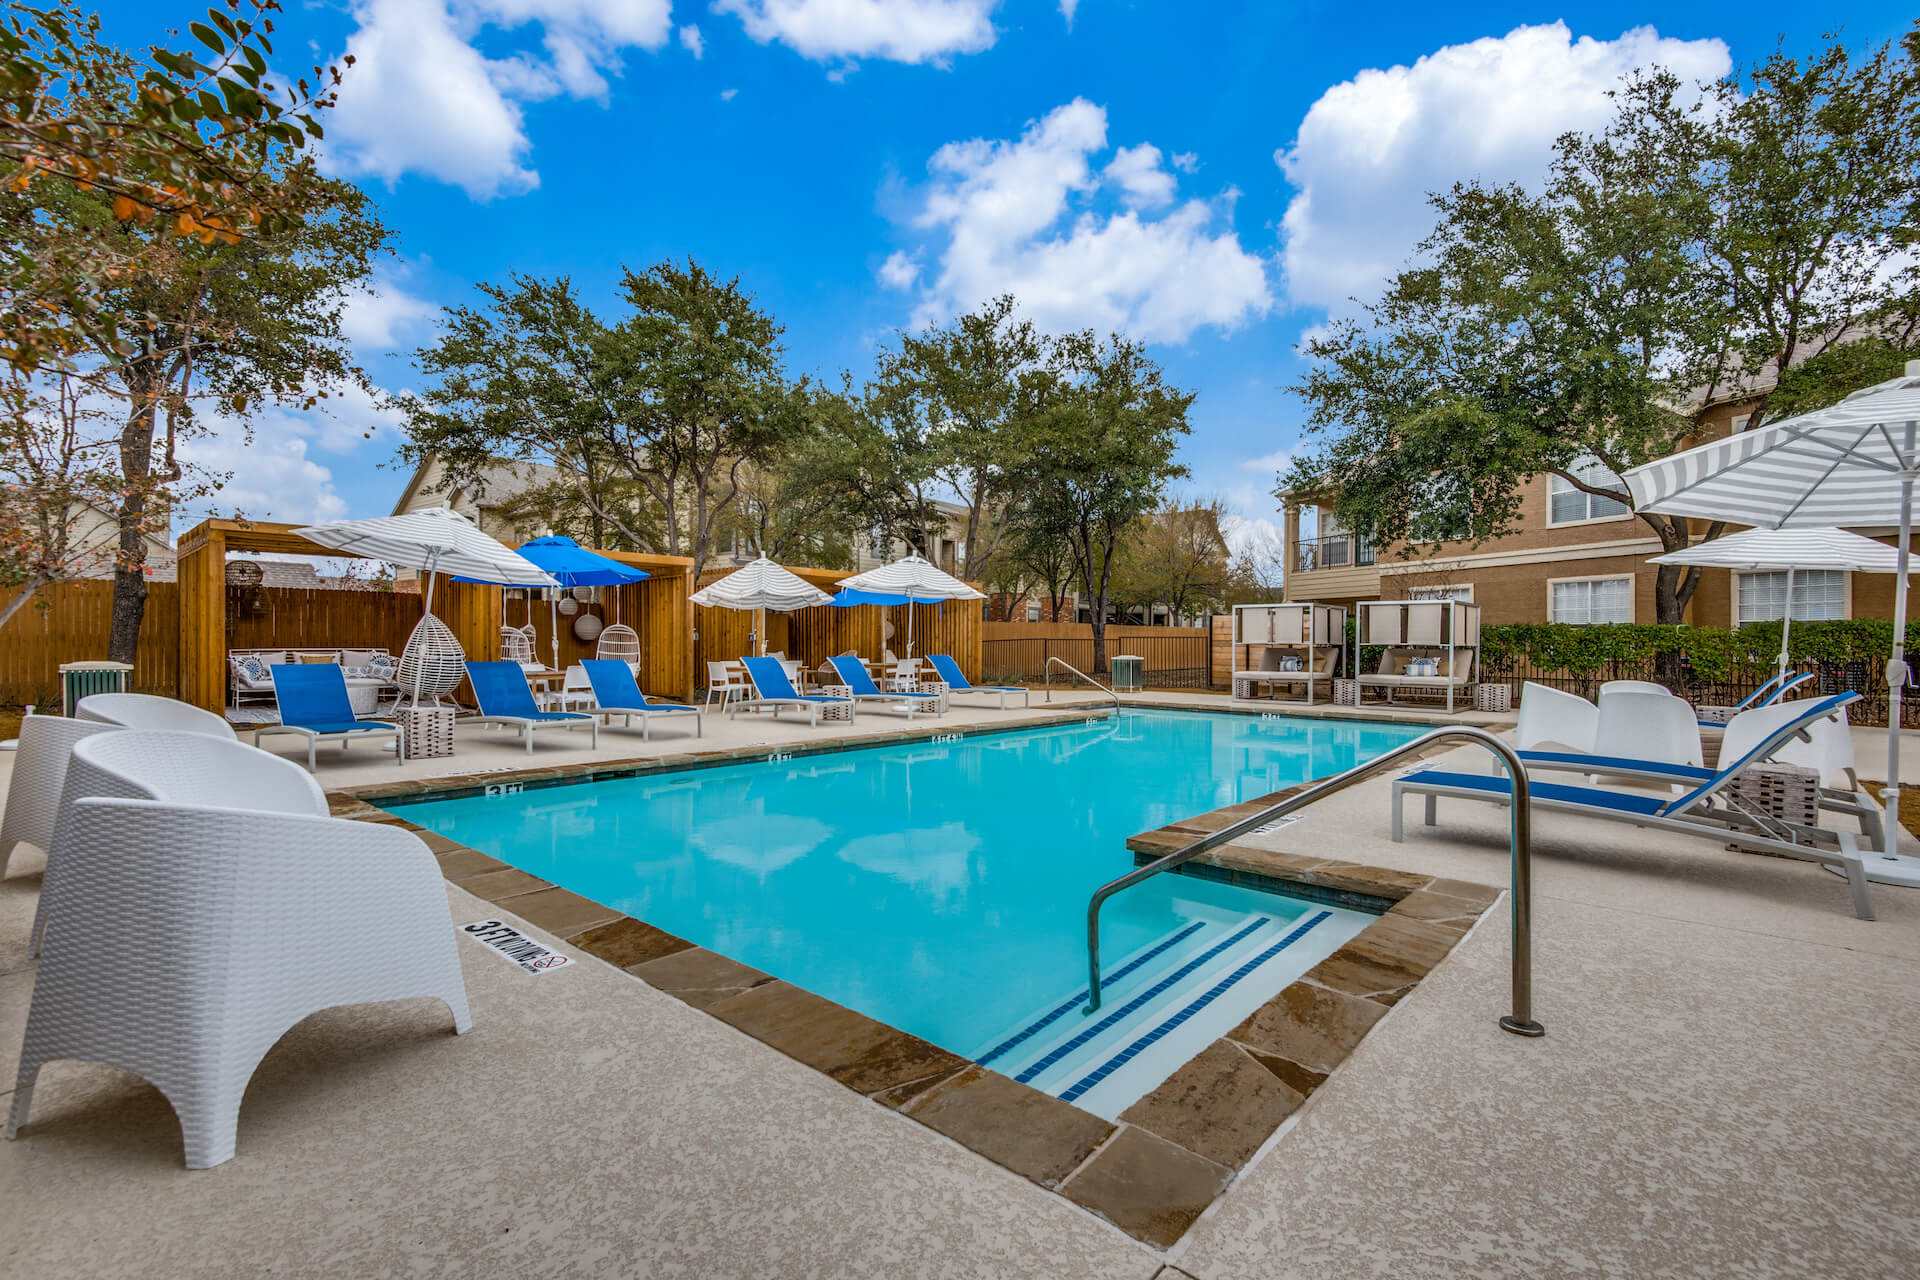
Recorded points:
1726,1088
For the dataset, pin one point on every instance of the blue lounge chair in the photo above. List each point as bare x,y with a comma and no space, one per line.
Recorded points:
618,694
1765,696
853,674
771,688
1702,812
314,705
1790,721
505,698
949,670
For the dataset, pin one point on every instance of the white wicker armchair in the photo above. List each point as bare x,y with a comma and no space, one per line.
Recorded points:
39,777
149,711
619,643
187,940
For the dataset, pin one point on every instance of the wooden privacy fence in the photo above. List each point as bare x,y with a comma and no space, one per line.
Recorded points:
813,635
1174,657
656,609
73,628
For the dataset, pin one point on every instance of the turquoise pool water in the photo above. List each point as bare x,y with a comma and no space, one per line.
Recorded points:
938,887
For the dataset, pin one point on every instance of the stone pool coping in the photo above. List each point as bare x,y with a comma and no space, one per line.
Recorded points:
1173,1152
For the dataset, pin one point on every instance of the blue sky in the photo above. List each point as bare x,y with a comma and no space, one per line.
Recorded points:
1214,177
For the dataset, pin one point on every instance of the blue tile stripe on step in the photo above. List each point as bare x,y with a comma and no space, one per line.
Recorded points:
1213,993
1046,1020
1134,1005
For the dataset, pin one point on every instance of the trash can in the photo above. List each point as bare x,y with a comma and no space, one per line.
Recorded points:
1129,673
80,679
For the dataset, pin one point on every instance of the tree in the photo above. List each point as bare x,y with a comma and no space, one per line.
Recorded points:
1103,455
1177,557
193,148
866,455
974,389
1039,552
1700,248
533,375
1257,573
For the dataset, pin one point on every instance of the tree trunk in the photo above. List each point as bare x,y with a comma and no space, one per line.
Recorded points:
20,600
129,570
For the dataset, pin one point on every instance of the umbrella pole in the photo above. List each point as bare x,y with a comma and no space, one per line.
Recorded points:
1897,664
1786,625
426,611
553,625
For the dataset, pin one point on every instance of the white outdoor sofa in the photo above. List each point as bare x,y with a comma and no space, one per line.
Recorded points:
1313,679
1455,678
186,936
369,672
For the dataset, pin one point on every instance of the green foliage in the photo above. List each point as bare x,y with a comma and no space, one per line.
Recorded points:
1670,263
1712,654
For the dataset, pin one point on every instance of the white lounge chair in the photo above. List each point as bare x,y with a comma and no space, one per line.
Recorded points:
191,936
39,778
1633,686
313,703
852,673
505,698
1704,811
1648,726
1554,720
771,688
150,711
617,693
956,681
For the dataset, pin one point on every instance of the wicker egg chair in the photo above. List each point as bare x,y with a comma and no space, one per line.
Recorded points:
619,643
516,645
432,665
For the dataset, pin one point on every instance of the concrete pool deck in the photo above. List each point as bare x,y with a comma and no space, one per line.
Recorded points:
1725,1088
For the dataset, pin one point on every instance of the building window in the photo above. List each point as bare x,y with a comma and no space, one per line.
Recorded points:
1033,612
1588,600
1568,505
1456,591
1817,594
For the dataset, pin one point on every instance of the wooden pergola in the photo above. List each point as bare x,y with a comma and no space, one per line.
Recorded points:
658,608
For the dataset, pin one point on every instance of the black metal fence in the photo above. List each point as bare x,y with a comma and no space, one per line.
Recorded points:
1171,662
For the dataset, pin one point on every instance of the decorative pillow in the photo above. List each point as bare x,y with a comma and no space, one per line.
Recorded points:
251,669
357,657
317,659
382,661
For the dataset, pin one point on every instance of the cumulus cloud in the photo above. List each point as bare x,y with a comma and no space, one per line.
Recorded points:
422,98
1370,149
728,95
846,30
1067,9
899,271
1138,172
691,40
1031,217
381,315
269,459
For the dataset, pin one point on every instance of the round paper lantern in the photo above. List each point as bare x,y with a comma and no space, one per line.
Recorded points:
586,628
569,606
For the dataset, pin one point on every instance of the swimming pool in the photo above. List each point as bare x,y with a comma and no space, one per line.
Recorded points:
941,886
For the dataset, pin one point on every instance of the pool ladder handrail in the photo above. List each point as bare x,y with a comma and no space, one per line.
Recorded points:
1520,1021
1047,676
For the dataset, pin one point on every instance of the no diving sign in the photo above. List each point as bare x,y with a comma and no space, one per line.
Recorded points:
516,946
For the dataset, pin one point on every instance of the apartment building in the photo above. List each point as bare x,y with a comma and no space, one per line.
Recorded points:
1573,557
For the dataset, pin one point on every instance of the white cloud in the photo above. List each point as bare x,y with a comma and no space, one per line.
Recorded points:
1370,149
422,98
1067,9
727,95
381,315
273,475
1025,217
1137,171
1186,161
897,30
1252,536
899,271
691,40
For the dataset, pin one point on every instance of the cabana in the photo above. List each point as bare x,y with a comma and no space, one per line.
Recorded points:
1429,646
1300,645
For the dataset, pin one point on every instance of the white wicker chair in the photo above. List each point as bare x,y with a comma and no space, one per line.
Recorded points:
39,777
516,645
619,643
186,944
149,711
434,657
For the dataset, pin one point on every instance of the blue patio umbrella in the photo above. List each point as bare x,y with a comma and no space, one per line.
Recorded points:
571,565
849,598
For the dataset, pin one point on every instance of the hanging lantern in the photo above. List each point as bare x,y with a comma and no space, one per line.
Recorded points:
586,628
569,606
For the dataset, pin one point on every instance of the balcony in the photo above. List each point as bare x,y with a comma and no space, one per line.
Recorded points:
1338,552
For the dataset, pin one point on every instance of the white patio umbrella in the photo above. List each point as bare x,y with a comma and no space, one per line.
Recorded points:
916,578
1853,463
760,585
1774,550
436,540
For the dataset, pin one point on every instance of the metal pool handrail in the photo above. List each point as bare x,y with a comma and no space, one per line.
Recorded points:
1047,673
1520,1021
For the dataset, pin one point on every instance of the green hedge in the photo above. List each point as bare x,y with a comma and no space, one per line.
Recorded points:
1711,653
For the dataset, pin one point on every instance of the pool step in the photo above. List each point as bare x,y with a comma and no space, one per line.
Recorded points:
1158,1007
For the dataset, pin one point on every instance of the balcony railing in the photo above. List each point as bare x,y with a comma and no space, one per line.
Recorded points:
1337,552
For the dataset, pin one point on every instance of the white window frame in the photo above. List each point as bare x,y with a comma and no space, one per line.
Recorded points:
1553,479
1628,578
1733,602
1446,591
